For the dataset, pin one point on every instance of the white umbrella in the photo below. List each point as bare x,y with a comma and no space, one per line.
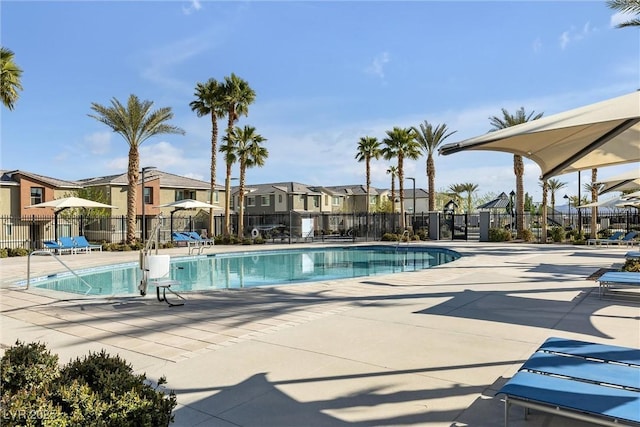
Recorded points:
603,134
186,204
66,203
71,202
609,203
189,204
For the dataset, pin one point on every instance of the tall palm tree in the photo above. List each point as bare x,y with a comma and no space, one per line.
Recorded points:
249,153
228,149
208,102
401,144
136,123
508,120
237,96
9,79
555,185
626,6
429,140
368,148
594,198
470,189
393,171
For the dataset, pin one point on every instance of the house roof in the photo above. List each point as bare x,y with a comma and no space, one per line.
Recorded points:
11,177
167,180
501,202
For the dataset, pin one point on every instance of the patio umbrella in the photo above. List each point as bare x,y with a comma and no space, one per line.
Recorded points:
624,182
603,134
186,204
68,202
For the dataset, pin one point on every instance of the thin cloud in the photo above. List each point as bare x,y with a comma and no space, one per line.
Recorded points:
574,35
537,45
376,67
194,6
98,142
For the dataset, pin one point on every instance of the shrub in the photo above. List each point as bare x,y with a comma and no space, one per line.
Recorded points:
632,265
247,241
527,236
98,389
259,240
18,252
499,235
4,253
557,234
389,237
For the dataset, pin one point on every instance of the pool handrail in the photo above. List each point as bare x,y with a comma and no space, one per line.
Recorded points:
45,252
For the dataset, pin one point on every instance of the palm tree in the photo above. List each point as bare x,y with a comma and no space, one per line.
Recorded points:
626,6
237,96
393,171
429,140
469,188
400,143
136,123
455,191
9,79
554,186
208,102
249,153
368,148
543,224
508,120
228,148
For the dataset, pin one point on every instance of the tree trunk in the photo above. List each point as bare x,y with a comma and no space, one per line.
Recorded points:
132,175
518,168
401,185
594,198
241,202
227,201
543,224
431,178
214,153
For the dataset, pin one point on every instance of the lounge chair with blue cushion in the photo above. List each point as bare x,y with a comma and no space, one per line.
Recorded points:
628,239
618,279
58,247
198,238
180,238
81,242
592,382
68,242
614,237
632,255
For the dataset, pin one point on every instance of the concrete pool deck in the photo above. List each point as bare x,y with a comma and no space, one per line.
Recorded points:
426,348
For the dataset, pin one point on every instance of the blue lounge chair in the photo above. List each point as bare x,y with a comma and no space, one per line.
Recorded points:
81,242
196,237
180,238
576,379
628,239
58,247
614,237
68,242
618,279
632,255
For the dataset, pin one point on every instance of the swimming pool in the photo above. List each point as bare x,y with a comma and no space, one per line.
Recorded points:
256,268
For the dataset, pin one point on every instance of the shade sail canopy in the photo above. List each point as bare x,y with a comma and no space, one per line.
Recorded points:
71,202
189,204
603,134
627,181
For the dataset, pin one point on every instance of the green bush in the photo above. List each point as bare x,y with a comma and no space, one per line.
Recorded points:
632,265
4,253
528,236
259,240
557,234
96,390
389,237
499,235
17,252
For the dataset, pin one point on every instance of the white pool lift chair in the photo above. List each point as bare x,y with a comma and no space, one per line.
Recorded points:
156,273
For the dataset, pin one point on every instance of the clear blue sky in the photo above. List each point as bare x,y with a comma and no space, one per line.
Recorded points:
325,74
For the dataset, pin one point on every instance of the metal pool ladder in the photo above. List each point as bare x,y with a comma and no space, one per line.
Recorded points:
44,252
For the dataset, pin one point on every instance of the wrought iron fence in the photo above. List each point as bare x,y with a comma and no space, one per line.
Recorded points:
29,232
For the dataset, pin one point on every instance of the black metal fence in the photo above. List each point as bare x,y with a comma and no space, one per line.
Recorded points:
30,232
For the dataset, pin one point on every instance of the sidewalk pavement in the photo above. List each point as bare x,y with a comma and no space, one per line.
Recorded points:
428,348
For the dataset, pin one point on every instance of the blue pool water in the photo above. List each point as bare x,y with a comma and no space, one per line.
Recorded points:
257,268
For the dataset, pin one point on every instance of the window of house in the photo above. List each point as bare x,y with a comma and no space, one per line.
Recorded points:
326,199
251,201
216,196
265,201
336,201
8,228
185,194
148,195
316,201
373,200
279,198
36,195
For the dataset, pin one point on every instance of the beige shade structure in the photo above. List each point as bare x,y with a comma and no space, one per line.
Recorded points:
603,134
626,181
614,202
